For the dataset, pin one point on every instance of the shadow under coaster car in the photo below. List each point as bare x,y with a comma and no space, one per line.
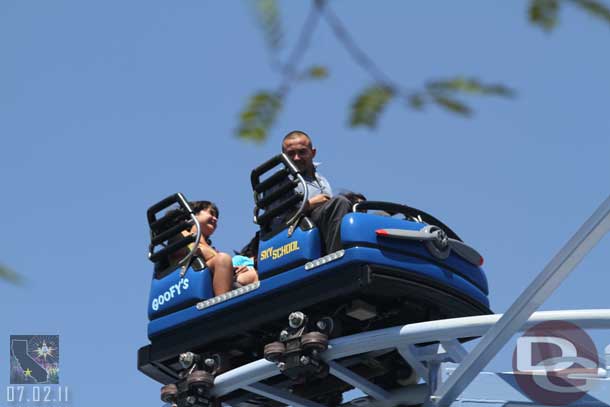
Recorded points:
398,265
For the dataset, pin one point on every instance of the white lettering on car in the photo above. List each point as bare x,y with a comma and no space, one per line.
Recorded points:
167,296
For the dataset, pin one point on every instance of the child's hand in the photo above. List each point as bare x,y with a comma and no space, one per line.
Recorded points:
241,269
206,251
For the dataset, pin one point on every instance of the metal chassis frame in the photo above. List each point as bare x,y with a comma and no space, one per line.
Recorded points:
444,334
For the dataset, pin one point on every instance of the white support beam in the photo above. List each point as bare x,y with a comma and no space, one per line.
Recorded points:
280,395
434,376
403,396
409,395
444,351
532,297
455,350
409,354
428,353
357,381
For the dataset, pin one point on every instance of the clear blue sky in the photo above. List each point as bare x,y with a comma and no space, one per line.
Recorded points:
107,107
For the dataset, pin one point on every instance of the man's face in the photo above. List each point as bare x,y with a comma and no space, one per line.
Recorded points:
300,152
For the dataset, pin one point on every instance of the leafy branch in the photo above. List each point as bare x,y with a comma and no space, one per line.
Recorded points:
259,115
545,13
371,102
268,17
9,275
263,108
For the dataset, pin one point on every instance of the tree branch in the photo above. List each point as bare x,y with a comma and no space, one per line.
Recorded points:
290,67
358,55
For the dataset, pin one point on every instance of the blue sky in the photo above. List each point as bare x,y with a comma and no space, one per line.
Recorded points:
107,107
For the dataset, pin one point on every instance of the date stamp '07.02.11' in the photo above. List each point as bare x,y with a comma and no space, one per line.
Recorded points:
34,375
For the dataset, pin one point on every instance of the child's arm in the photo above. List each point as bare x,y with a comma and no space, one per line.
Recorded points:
206,251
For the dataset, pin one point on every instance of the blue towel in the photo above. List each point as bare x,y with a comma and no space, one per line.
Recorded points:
239,260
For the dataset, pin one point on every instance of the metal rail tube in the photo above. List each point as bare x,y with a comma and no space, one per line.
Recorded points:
557,270
422,332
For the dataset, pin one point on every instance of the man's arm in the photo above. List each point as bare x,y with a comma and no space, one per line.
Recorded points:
316,201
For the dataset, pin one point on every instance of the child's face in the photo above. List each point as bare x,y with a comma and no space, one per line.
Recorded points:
207,221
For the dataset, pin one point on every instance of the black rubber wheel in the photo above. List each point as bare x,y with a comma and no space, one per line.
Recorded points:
314,341
169,393
273,351
200,378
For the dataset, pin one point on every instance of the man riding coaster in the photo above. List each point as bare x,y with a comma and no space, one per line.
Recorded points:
322,208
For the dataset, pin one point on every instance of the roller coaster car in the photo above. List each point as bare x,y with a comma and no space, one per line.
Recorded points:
398,265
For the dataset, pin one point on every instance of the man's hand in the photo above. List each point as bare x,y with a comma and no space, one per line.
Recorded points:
316,201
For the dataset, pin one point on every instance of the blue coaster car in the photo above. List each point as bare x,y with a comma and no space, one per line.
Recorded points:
398,265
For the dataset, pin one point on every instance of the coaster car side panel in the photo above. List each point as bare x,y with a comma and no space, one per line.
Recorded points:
360,229
281,251
246,313
172,292
291,279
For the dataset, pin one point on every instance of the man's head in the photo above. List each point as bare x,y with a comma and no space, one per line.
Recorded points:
297,145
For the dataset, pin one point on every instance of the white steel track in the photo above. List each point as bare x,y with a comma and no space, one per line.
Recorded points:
560,266
445,332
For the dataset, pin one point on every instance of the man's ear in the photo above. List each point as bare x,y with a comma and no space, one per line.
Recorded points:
313,152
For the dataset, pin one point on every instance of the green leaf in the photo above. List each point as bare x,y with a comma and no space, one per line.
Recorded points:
259,116
9,275
544,13
268,15
499,90
416,101
369,104
595,8
317,72
461,84
453,105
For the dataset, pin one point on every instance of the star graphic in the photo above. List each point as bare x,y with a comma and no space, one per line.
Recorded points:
27,373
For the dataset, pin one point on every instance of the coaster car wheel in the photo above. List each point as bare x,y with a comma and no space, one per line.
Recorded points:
314,341
169,393
200,379
273,351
